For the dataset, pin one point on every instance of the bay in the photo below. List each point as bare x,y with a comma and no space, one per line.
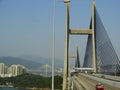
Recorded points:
11,88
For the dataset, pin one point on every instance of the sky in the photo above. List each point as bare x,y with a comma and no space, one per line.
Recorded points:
26,26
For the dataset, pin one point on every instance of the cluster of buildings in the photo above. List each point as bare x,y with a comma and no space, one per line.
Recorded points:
13,70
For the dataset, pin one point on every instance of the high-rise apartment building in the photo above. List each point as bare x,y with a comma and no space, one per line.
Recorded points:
13,70
16,70
2,69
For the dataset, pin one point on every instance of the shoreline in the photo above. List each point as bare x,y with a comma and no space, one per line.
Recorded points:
38,88
6,86
28,88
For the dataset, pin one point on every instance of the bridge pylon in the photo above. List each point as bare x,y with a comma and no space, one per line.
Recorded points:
77,61
90,31
94,39
76,57
66,55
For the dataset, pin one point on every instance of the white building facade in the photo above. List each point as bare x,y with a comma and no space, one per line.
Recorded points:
2,69
13,70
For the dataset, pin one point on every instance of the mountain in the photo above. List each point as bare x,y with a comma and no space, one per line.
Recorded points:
37,59
31,62
43,61
15,60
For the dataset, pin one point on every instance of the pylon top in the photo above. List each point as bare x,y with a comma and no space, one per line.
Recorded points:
66,1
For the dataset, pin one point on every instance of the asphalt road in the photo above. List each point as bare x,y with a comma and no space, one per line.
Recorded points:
83,82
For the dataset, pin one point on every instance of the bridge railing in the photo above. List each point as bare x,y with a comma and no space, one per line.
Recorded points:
109,77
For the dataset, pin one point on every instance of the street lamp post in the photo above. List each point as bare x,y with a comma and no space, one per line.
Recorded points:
53,42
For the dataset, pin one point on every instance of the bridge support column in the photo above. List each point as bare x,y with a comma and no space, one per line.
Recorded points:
66,57
90,31
94,39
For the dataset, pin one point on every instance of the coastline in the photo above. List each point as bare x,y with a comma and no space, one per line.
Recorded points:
6,86
39,88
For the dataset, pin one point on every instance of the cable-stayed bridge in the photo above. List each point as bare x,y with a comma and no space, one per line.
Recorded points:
45,70
100,57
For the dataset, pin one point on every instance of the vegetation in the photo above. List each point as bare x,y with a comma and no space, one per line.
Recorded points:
32,81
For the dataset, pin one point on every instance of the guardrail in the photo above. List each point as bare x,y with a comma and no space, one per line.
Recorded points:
109,77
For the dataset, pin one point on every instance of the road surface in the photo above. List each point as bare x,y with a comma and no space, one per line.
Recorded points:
82,82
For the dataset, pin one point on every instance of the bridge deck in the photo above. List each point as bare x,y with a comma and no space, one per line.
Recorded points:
84,82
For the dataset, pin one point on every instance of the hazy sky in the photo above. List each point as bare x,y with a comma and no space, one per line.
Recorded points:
26,26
